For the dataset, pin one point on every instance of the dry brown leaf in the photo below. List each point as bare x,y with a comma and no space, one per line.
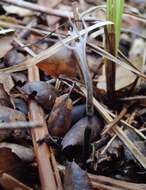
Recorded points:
4,97
78,112
60,118
9,162
7,82
10,183
42,92
13,57
18,10
49,3
75,136
24,153
76,178
5,44
124,78
9,115
63,62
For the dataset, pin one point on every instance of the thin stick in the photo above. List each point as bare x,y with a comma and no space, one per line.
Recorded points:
20,125
115,121
119,132
38,8
42,9
49,174
44,55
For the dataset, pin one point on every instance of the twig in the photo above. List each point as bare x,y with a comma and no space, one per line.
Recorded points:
42,9
110,66
38,8
115,121
20,125
49,175
46,54
119,132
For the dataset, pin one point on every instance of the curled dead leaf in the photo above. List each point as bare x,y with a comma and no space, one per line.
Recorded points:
13,57
78,112
75,136
4,97
24,153
9,115
60,118
63,62
76,178
42,92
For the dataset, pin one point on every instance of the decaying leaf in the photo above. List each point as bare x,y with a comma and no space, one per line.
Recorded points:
124,78
9,115
7,82
5,44
9,162
13,57
76,178
4,97
21,105
19,78
60,118
42,92
10,183
24,153
18,10
75,136
63,62
51,20
78,112
93,63
138,142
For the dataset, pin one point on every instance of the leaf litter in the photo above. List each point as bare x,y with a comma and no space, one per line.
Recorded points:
60,126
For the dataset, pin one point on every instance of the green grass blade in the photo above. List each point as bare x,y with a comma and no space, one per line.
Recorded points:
119,7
